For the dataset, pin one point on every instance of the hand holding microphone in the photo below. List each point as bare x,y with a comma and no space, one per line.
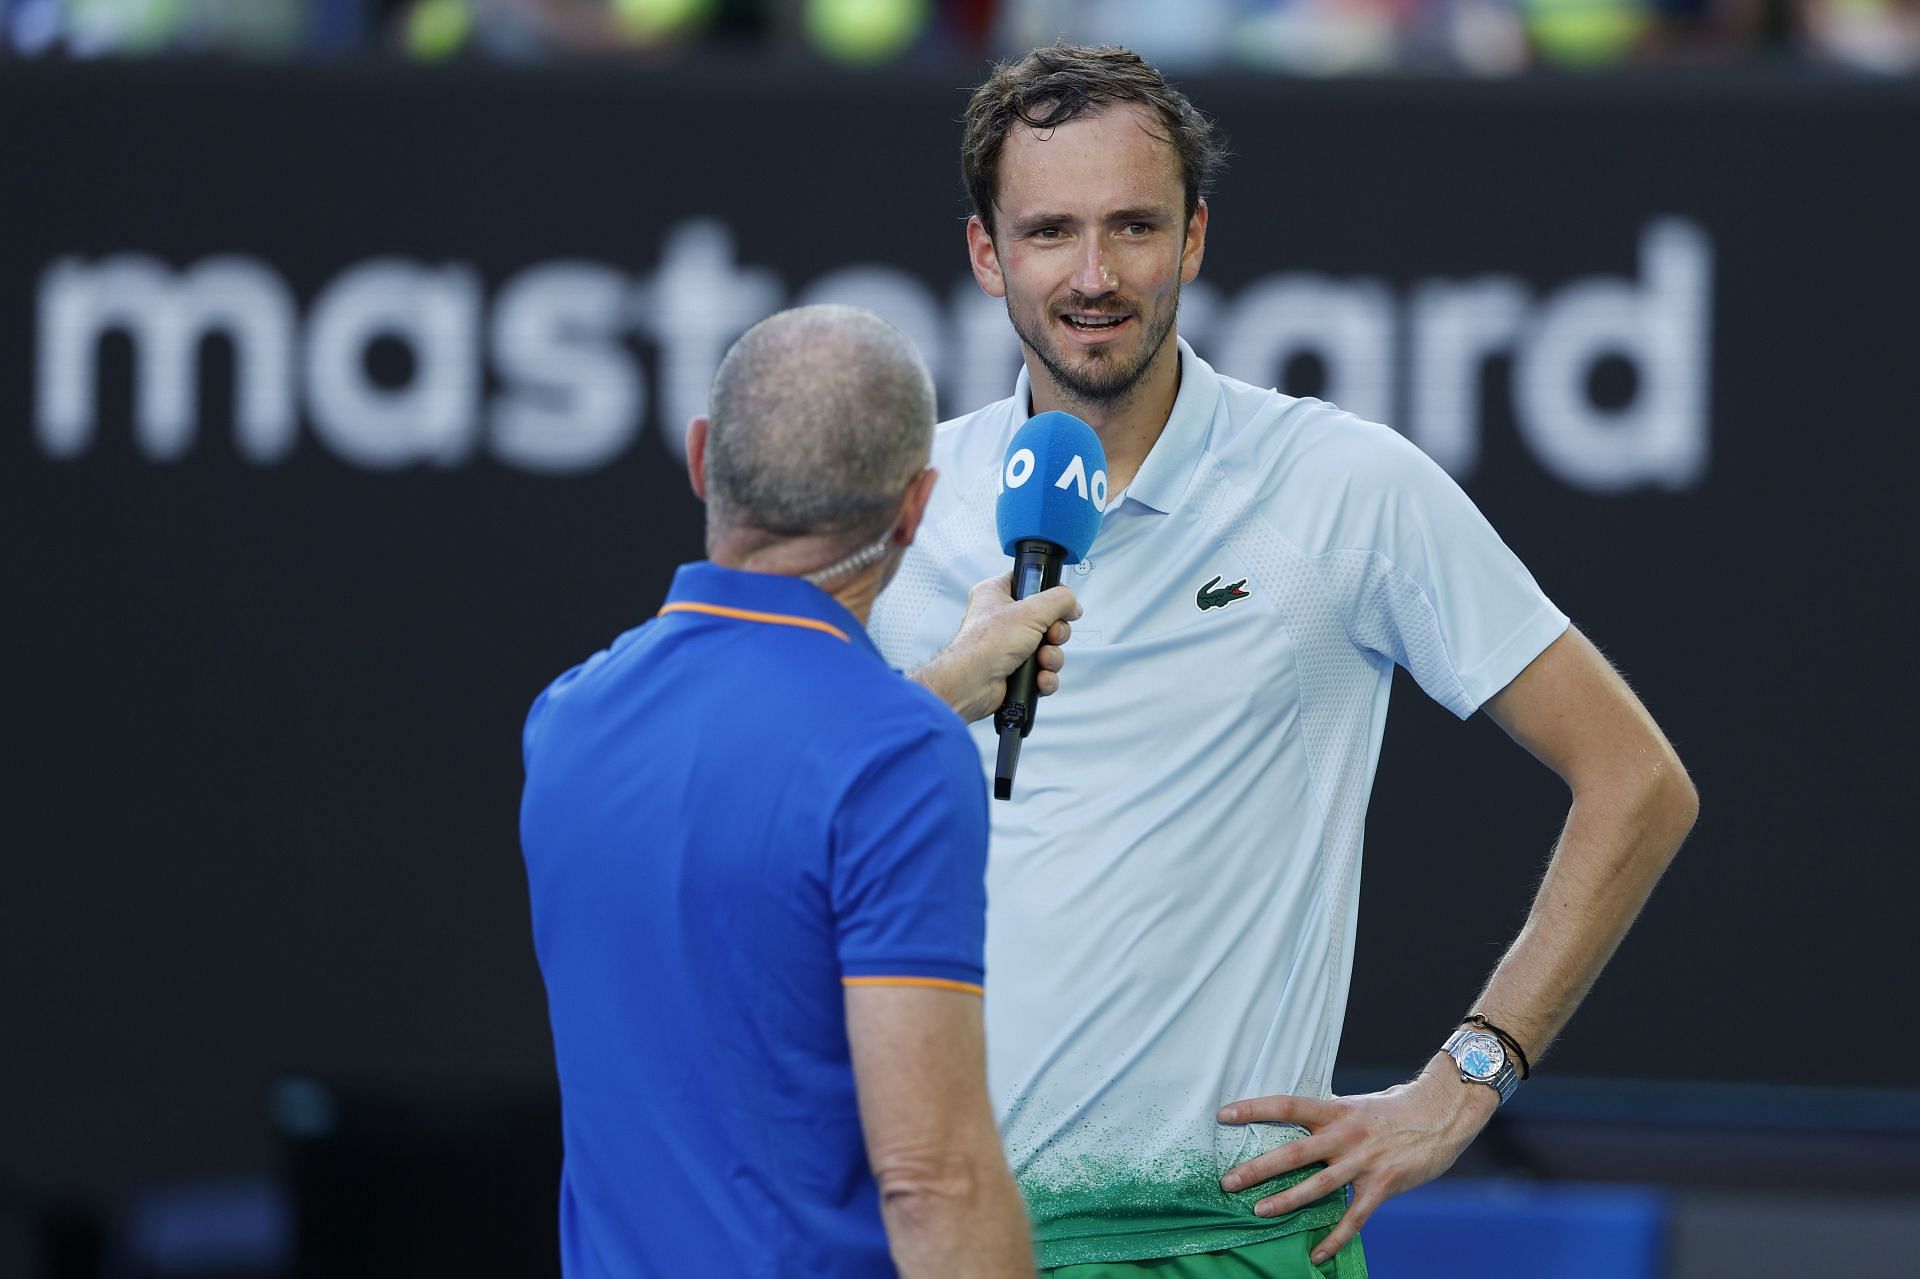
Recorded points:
1053,491
997,635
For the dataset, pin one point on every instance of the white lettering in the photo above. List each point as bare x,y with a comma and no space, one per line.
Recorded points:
574,397
896,297
1199,310
1661,325
572,393
698,303
987,354
1348,324
1075,476
1100,490
1019,468
167,317
434,312
1456,327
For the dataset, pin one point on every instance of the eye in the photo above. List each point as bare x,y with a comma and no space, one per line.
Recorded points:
1136,228
1047,233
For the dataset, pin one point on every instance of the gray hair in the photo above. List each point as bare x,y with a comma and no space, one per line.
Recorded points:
820,417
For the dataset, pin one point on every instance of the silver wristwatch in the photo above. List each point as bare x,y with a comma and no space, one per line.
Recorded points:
1483,1059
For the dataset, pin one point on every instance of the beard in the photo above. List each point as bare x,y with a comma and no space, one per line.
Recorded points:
1104,378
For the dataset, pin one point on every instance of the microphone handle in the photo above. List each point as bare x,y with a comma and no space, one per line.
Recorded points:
1036,567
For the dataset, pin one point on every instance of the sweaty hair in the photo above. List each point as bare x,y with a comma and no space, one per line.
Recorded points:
819,419
1063,82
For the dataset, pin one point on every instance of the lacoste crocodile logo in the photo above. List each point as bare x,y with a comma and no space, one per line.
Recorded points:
1207,597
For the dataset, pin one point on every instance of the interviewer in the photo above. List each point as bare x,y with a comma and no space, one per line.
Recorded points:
757,861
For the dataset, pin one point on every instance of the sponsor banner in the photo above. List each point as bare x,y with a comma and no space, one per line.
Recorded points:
339,410
539,370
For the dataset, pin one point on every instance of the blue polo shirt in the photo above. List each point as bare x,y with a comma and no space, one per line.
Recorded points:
730,814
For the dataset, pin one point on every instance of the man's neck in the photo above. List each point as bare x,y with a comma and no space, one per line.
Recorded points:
799,556
1128,427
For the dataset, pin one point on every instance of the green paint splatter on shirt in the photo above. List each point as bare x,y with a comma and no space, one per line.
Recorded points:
1112,1207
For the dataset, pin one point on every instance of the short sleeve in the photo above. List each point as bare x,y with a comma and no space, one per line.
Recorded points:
909,868
534,718
1423,579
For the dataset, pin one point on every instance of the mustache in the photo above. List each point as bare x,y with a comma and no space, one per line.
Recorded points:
1081,302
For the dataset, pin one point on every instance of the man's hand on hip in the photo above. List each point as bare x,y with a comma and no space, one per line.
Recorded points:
1382,1143
996,636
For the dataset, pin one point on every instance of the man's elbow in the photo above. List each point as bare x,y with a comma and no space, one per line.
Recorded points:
918,1185
1687,804
1673,802
1648,793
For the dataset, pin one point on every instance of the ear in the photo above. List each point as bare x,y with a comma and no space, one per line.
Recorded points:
985,259
697,456
1196,245
913,506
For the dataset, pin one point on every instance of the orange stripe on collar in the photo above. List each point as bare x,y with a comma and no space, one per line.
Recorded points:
748,615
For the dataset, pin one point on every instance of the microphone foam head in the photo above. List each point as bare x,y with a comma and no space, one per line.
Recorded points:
1053,485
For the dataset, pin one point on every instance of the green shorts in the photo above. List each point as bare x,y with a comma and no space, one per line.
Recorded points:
1288,1257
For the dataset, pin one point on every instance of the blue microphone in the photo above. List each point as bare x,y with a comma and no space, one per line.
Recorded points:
1053,490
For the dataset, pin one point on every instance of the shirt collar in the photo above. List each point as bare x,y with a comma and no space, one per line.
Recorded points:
1163,478
773,598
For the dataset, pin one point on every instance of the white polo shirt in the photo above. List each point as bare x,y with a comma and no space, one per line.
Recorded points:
1173,887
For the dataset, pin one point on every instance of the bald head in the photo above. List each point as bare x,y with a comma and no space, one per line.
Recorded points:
820,418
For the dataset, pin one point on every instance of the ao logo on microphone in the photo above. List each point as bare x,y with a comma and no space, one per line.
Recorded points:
1019,470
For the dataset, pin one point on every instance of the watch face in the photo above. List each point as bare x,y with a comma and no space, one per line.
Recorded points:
1481,1055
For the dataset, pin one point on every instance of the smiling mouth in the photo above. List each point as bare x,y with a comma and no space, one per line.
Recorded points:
1094,323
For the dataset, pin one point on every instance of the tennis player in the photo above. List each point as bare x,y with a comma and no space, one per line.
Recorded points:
1174,886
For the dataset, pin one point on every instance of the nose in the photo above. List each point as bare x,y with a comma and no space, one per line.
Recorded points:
1092,276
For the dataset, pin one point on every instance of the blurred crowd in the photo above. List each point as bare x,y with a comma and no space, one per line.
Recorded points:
1304,37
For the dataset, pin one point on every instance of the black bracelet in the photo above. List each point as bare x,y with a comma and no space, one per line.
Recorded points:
1513,1045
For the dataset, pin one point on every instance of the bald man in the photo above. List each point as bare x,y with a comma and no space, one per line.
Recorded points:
757,860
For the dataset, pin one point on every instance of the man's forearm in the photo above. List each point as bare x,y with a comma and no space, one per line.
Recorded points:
1619,837
959,1216
948,678
1632,805
946,1198
997,634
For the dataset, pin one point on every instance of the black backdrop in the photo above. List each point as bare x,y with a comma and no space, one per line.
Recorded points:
263,699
